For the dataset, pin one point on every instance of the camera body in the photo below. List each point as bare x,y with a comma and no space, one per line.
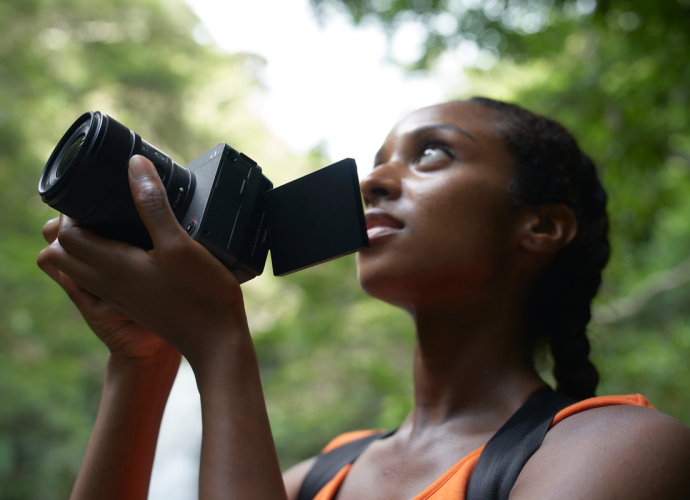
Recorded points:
226,213
222,199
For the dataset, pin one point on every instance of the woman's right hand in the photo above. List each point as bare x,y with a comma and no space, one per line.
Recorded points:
127,340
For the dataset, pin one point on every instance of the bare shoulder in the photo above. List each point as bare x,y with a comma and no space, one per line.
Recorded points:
294,476
612,452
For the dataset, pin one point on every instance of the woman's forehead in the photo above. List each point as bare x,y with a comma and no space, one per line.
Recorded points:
479,127
479,121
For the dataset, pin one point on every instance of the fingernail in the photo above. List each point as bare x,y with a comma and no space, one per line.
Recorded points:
140,168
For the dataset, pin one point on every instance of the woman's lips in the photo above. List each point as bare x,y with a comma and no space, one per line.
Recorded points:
380,222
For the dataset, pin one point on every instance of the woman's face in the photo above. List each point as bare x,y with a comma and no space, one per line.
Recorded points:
439,215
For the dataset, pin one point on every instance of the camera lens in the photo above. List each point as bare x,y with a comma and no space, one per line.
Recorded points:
70,155
86,178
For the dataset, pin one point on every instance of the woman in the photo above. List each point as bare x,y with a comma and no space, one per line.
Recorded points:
488,225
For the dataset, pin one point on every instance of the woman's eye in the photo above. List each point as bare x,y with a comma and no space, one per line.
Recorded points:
433,154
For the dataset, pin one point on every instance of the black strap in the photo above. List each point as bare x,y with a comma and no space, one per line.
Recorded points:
328,464
498,466
508,451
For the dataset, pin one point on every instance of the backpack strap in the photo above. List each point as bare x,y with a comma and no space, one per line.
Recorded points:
498,466
328,464
507,452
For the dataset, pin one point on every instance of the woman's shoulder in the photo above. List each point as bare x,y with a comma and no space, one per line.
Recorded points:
615,446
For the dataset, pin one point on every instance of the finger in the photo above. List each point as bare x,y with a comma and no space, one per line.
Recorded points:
88,246
59,258
71,288
97,310
151,202
81,297
50,229
94,309
43,264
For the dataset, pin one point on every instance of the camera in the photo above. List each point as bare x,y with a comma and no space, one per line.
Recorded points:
222,199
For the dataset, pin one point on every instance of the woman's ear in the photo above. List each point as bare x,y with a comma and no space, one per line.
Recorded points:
548,228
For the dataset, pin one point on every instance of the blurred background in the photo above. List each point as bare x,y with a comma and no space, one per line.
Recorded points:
297,85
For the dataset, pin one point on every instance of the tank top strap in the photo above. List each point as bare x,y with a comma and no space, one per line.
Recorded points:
599,402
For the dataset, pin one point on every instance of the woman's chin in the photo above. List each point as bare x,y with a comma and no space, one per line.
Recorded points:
384,286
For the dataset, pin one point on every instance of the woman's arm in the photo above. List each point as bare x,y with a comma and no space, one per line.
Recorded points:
120,454
179,291
139,375
238,456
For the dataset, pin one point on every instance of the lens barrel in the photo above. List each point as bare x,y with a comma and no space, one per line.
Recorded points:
86,178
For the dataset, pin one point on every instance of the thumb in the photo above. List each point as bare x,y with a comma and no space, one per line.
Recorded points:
151,201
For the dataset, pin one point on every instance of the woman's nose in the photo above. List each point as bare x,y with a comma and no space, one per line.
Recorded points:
383,183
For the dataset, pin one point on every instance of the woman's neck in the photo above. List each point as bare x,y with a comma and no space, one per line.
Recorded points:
470,369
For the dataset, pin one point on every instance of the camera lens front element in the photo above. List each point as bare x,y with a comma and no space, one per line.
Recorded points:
70,155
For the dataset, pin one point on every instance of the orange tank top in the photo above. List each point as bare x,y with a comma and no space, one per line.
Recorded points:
452,485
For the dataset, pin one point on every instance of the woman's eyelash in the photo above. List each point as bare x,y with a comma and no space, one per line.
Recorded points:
427,145
434,145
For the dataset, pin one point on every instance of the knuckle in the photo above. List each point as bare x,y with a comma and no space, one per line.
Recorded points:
48,230
67,235
42,259
152,197
62,238
176,251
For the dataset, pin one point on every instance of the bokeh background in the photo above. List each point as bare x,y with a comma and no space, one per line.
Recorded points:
185,76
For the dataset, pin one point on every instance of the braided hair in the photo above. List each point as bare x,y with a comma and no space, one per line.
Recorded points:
551,168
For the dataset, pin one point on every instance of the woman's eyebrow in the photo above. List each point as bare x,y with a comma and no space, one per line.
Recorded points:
423,130
434,126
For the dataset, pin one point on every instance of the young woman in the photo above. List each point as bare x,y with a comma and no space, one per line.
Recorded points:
488,225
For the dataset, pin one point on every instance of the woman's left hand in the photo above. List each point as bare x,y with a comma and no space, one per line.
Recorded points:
178,290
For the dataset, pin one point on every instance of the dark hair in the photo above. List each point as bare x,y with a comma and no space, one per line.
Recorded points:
551,168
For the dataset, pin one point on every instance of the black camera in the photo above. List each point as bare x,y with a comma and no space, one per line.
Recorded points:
222,198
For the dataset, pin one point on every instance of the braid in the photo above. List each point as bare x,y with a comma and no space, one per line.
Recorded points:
551,168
